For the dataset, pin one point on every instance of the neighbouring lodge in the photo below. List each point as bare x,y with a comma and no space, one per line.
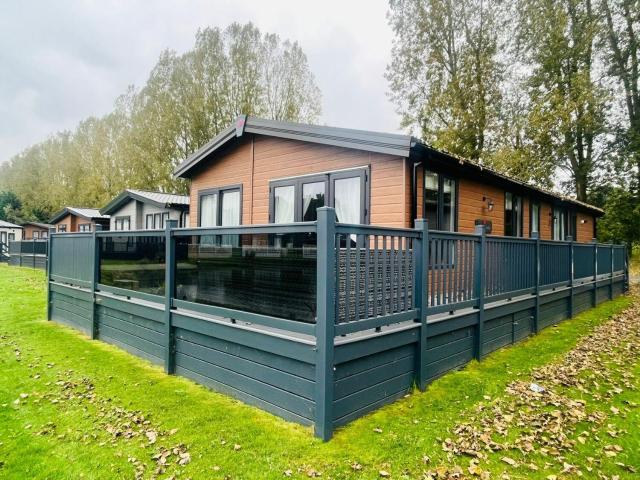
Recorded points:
264,171
76,219
36,230
141,210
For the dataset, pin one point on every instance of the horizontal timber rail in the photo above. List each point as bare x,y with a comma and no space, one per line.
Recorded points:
320,322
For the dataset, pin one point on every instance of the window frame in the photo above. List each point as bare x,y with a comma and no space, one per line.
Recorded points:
35,235
220,192
520,221
539,205
121,219
84,227
440,201
62,228
329,179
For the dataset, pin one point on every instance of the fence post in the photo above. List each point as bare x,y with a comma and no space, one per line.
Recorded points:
325,320
536,270
169,288
611,275
421,281
49,240
95,276
571,274
479,284
595,271
625,257
33,252
19,253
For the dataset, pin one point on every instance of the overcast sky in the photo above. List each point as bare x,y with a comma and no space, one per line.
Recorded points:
63,60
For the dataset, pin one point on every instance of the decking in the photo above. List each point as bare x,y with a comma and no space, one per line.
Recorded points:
320,322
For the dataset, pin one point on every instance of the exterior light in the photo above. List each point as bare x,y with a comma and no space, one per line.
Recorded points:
489,203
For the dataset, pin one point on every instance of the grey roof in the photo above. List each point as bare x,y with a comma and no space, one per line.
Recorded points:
38,224
394,144
4,224
390,143
159,199
88,213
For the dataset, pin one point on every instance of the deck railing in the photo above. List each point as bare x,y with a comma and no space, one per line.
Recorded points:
28,253
324,280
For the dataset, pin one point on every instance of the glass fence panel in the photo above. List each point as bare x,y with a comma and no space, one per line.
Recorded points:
268,274
133,263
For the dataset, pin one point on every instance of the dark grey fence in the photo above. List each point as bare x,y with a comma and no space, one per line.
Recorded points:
28,253
320,322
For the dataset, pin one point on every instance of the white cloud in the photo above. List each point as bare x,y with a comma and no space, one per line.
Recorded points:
64,61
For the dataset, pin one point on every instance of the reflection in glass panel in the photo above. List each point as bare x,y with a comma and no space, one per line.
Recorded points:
254,274
448,205
312,199
208,210
284,204
133,263
347,200
431,199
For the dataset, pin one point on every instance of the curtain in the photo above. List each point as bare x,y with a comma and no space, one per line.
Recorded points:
209,207
230,208
347,200
284,203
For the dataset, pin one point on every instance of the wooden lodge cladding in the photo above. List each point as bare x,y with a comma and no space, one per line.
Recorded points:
255,156
259,160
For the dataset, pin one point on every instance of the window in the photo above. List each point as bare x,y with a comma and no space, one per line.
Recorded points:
512,215
44,235
298,199
148,222
84,227
220,207
62,228
123,223
440,201
36,235
534,218
12,237
165,218
564,223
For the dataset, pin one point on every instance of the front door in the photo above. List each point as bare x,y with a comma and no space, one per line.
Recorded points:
3,237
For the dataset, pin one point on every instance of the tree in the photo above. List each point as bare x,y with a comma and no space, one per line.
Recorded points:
567,117
186,100
620,37
10,207
445,74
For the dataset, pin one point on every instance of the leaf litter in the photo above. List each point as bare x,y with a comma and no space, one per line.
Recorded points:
541,419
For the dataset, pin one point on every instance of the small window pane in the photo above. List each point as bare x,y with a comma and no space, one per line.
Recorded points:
535,218
230,208
208,210
312,199
347,200
448,205
431,181
284,204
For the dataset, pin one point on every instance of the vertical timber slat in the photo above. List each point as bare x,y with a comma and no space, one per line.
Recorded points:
169,288
95,277
479,273
325,322
421,295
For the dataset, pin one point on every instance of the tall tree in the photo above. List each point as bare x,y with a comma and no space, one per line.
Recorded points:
445,73
620,35
186,100
567,116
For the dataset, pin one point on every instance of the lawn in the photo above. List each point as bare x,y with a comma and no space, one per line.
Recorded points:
71,407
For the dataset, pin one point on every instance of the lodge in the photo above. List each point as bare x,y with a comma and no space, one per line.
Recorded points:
77,219
324,272
264,171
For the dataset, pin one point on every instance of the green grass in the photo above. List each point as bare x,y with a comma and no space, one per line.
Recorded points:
56,434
